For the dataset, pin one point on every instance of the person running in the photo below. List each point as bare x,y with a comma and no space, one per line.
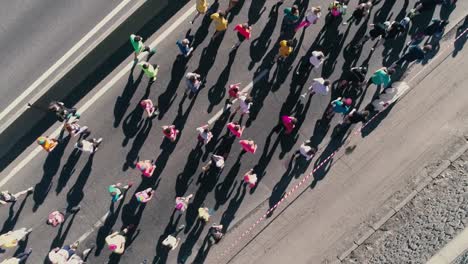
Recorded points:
12,238
172,241
59,217
62,112
289,123
285,49
339,105
250,178
62,255
193,81
150,70
290,19
414,53
315,60
436,28
116,241
337,8
216,161
382,77
378,32
170,132
361,11
248,145
7,197
184,47
47,143
150,109
204,214
117,191
245,102
244,31
19,258
355,117
233,92
221,23
215,233
306,150
181,203
319,86
312,17
146,167
145,195
90,146
204,134
235,129
202,8
138,46
74,129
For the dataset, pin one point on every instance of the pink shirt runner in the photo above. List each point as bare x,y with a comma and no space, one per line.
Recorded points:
248,147
287,122
238,133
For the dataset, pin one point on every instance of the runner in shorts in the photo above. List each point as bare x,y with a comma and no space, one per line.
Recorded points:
7,197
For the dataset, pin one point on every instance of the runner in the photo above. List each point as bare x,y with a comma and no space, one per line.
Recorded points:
235,129
215,161
436,28
356,116
316,59
184,47
216,232
117,191
172,241
248,145
170,132
116,241
220,22
7,197
62,113
319,86
145,195
193,81
62,255
150,70
12,238
19,258
48,144
146,167
202,7
150,109
244,31
204,214
245,102
361,11
181,203
57,218
138,46
289,123
306,150
313,15
339,105
250,178
74,129
337,8
290,19
382,77
204,134
284,51
414,53
90,146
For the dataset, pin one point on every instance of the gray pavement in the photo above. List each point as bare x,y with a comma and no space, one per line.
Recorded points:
35,34
66,178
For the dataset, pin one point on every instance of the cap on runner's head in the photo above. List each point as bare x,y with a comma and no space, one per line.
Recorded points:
348,101
41,140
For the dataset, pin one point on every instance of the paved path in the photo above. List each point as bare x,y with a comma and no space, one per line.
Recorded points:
66,177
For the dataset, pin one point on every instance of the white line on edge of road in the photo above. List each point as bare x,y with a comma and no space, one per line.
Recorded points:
59,63
96,96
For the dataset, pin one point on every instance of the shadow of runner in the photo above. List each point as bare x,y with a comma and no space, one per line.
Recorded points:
217,92
67,170
461,40
138,143
123,101
50,167
186,248
75,194
59,239
184,178
234,205
162,252
10,222
224,189
106,227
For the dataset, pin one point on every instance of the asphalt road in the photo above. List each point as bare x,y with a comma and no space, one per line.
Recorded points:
66,177
35,34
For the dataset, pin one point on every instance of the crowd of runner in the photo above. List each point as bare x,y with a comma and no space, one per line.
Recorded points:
295,19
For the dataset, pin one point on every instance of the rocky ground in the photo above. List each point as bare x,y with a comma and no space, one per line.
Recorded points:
425,225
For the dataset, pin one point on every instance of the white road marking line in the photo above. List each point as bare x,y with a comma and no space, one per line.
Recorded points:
245,90
57,64
96,225
96,96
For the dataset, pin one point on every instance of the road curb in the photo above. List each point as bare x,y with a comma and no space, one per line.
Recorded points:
79,75
394,210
